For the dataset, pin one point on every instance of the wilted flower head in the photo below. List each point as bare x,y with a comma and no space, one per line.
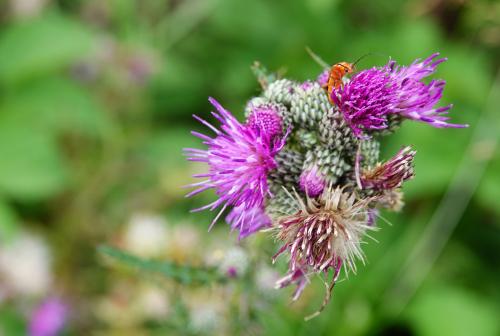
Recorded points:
239,159
390,174
324,234
373,95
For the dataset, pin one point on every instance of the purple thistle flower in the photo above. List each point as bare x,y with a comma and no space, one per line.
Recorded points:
366,100
390,174
232,272
416,100
48,319
312,182
267,119
248,221
239,158
373,94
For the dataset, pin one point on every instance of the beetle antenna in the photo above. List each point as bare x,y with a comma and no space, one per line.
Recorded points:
365,55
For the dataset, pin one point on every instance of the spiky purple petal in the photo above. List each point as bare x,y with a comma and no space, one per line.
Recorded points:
374,94
248,221
239,158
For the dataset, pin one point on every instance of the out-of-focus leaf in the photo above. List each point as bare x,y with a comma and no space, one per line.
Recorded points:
489,189
163,153
187,15
8,222
449,311
54,104
274,323
39,46
176,87
164,149
11,323
467,78
31,164
181,273
436,159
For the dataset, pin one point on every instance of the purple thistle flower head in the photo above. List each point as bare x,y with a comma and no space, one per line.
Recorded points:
312,182
239,158
373,94
417,100
48,319
248,221
232,272
266,119
390,174
366,100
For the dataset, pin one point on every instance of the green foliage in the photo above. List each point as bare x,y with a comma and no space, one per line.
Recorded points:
8,222
54,104
451,311
37,47
12,323
34,168
96,104
184,274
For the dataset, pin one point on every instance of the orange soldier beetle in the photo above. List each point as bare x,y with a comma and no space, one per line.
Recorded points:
337,72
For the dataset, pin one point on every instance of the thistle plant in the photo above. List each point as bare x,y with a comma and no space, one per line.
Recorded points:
305,164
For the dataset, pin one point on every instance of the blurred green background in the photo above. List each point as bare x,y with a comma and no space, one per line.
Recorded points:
96,98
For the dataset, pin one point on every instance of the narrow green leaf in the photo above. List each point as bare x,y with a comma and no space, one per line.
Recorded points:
184,274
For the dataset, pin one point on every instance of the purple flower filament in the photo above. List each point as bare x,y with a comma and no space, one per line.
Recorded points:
239,158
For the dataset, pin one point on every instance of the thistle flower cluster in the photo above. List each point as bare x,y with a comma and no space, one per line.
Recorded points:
305,164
